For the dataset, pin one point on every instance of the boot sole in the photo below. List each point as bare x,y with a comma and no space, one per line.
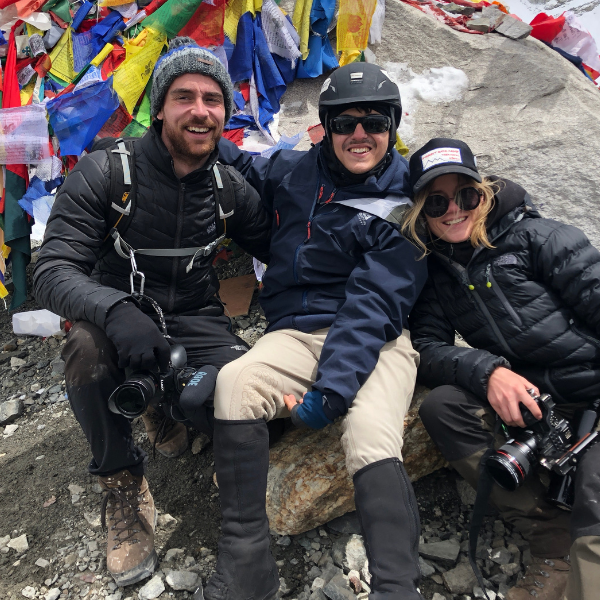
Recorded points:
174,454
142,571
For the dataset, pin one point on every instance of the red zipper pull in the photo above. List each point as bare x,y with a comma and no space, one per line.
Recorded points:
320,193
277,217
308,228
330,197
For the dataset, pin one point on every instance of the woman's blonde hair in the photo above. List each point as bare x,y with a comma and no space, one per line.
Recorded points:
414,225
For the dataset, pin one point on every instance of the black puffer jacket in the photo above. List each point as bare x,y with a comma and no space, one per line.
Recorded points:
532,303
71,281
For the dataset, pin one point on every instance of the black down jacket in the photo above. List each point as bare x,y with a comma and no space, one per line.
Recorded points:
71,280
532,304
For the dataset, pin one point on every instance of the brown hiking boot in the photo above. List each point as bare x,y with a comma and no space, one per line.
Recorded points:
545,579
128,509
168,437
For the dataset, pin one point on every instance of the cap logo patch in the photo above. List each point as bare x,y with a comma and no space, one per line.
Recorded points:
356,77
206,62
439,156
325,85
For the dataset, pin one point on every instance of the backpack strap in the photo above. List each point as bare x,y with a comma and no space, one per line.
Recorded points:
224,197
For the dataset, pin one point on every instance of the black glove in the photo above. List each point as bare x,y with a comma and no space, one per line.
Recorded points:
139,342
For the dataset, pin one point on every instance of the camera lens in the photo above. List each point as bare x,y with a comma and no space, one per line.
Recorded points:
131,398
511,463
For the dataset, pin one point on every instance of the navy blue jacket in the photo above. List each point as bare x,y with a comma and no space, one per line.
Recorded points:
332,265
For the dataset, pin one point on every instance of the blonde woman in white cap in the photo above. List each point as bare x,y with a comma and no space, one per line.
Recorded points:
524,293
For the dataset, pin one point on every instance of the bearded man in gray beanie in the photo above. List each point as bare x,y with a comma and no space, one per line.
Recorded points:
127,257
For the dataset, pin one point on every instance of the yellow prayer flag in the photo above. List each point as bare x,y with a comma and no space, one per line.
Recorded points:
130,79
401,146
301,21
3,291
113,2
32,29
62,57
354,22
108,48
27,92
233,13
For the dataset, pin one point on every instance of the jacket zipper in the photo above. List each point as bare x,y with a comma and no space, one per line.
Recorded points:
491,283
465,274
172,288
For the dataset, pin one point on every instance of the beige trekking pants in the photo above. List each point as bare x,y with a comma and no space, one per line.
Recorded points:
286,361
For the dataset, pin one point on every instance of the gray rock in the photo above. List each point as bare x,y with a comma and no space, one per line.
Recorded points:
182,580
478,593
334,592
15,361
466,492
329,572
19,544
347,523
426,569
318,595
438,596
153,589
174,553
510,569
58,366
284,541
479,24
29,592
52,594
446,551
460,580
349,552
10,410
494,14
501,556
42,562
513,28
55,389
317,584
42,364
457,9
200,442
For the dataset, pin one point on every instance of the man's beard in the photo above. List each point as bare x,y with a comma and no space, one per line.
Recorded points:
188,151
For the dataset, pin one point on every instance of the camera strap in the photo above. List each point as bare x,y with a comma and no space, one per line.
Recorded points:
485,483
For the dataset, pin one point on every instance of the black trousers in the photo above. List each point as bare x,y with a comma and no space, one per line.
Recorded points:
461,424
92,374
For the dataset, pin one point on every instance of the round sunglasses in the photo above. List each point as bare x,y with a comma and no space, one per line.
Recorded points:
346,124
437,205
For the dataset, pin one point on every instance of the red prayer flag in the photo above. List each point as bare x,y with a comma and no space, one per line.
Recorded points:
206,25
546,28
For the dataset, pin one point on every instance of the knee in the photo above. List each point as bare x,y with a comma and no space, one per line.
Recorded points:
247,391
436,407
89,355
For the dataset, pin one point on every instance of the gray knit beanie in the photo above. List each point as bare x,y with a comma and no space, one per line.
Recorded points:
185,56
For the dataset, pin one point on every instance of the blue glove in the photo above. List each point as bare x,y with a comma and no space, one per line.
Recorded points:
310,413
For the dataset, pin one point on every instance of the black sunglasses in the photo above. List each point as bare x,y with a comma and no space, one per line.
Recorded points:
346,124
437,205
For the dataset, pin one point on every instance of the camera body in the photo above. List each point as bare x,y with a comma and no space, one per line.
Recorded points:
141,388
543,441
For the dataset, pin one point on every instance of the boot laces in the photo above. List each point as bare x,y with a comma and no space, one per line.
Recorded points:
123,513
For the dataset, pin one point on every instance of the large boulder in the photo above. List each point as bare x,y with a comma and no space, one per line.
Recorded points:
308,484
527,113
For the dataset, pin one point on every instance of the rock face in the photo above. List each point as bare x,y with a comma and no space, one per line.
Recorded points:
308,484
528,113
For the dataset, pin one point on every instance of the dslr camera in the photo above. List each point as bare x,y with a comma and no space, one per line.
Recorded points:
552,442
182,391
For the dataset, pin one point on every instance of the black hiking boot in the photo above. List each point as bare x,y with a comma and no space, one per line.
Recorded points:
245,568
389,520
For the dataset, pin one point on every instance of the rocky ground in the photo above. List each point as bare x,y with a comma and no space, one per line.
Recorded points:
52,545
